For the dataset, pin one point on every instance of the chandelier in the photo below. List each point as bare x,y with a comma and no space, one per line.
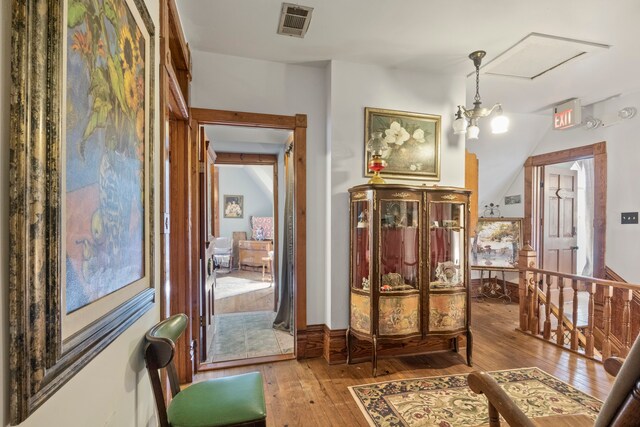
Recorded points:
466,121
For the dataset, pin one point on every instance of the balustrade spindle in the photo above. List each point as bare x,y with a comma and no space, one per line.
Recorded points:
547,310
589,351
606,342
626,322
560,329
533,297
574,316
523,295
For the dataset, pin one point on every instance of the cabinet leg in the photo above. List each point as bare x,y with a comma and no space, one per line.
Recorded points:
469,347
348,346
456,346
374,358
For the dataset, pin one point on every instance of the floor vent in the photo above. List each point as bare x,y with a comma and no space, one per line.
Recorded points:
294,20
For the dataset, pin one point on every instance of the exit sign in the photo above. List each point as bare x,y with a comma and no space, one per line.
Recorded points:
567,115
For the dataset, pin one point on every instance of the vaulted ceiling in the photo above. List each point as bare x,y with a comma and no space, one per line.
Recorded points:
436,37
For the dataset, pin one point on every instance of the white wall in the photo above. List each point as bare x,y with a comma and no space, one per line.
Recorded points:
113,390
234,180
623,174
354,87
241,84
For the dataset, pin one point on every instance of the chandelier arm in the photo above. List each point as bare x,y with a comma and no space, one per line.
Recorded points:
496,106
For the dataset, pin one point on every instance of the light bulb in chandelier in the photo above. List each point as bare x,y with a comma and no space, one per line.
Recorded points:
473,131
500,123
460,123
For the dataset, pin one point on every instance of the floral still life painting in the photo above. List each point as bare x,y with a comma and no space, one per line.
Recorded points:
105,116
413,140
233,206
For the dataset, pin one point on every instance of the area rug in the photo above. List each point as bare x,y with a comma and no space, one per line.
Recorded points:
231,286
447,401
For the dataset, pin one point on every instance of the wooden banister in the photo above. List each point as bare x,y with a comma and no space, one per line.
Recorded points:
615,317
602,282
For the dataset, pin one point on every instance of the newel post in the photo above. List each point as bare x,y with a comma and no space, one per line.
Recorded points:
526,259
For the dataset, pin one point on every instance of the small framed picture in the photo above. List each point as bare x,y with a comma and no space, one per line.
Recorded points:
450,223
233,206
496,244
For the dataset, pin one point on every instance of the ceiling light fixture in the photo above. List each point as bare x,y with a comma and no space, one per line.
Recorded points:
466,121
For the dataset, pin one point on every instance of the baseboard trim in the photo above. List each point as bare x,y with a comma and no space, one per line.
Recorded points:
310,342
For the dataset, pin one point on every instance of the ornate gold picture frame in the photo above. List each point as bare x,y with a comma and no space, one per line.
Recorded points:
413,140
81,202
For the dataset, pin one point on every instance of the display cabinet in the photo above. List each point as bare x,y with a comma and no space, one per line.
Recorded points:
409,269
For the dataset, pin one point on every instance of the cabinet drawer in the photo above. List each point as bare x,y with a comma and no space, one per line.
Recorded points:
258,245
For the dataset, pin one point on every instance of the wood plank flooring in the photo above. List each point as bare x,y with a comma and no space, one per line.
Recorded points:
313,393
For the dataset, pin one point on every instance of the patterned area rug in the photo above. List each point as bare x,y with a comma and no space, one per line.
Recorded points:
447,401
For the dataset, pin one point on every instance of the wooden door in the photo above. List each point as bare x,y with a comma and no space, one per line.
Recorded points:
206,280
559,220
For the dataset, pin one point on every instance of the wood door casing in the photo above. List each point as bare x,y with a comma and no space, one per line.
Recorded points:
560,217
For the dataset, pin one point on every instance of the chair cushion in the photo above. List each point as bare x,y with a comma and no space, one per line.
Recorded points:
219,402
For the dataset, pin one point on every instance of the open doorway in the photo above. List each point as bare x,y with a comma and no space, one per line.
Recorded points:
253,260
249,213
565,209
568,204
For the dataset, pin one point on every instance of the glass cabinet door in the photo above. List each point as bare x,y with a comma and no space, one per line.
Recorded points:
399,245
447,246
361,240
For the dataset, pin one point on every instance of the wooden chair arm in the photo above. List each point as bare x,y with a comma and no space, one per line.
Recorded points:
612,365
499,402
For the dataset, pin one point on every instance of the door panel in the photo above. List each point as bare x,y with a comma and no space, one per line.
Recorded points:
559,220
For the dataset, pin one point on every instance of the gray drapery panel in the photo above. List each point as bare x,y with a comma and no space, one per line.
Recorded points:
284,317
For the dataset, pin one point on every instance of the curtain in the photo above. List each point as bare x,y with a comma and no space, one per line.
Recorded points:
587,168
284,316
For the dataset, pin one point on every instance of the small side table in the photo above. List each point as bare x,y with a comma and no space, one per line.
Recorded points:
492,289
266,264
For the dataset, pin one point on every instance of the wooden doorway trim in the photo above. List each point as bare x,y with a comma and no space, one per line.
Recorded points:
297,124
533,176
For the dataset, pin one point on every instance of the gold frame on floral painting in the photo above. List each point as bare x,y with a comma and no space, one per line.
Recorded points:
43,356
405,171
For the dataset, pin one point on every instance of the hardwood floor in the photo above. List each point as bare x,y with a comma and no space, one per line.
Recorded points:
313,393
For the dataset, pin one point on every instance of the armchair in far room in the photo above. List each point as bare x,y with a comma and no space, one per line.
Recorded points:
223,253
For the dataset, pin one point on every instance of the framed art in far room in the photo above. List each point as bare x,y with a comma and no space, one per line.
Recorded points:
81,160
496,244
233,206
413,140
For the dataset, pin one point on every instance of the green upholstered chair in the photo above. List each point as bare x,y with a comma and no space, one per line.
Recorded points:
230,401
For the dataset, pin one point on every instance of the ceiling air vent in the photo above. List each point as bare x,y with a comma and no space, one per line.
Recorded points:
294,20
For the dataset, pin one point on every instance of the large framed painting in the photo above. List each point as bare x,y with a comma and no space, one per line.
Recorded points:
496,244
413,140
81,161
